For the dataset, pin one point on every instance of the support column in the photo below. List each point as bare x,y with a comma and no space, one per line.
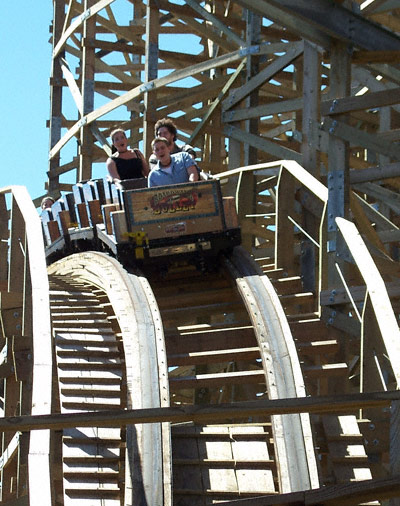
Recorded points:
338,161
246,201
56,95
88,74
151,72
395,445
311,101
310,157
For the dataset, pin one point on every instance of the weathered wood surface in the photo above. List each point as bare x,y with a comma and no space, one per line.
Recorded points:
98,371
323,404
283,93
28,344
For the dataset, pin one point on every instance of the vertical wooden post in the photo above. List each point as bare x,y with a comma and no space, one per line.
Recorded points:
151,72
88,74
284,236
216,144
310,158
395,445
56,88
3,243
12,392
246,201
311,101
338,160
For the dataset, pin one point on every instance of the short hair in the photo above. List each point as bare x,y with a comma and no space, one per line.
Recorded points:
44,199
167,123
158,139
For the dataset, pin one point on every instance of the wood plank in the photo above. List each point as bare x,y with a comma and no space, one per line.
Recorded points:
325,370
327,347
357,103
322,404
292,52
197,298
206,340
214,380
214,356
340,296
351,454
386,319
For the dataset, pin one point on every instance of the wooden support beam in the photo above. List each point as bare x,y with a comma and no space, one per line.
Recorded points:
359,138
88,75
346,403
293,51
328,18
338,158
151,73
372,100
386,320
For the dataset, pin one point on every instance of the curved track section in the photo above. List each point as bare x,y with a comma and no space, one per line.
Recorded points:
293,436
228,340
109,350
175,336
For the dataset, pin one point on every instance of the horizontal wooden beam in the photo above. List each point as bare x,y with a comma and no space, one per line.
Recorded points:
340,295
357,137
333,404
359,103
375,173
329,18
367,57
335,495
263,110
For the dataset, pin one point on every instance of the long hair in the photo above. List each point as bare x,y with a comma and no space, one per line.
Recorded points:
112,134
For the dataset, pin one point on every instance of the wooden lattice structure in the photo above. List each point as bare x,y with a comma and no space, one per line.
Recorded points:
247,82
293,105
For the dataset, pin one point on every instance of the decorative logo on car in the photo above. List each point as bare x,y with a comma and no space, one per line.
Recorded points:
174,201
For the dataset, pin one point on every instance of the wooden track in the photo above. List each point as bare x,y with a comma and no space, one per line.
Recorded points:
108,358
217,350
212,335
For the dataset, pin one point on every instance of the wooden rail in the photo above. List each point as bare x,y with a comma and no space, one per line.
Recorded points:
26,343
213,358
110,354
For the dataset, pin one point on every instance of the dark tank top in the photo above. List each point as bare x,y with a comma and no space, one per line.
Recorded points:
128,169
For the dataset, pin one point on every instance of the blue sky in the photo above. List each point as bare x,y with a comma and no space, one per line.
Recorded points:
25,63
25,60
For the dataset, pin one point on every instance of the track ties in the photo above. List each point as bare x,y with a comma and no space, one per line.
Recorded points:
213,357
222,462
90,378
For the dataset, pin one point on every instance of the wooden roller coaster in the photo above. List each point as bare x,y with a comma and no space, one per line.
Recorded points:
165,346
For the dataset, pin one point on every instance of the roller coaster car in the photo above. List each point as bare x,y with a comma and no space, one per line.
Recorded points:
181,219
142,225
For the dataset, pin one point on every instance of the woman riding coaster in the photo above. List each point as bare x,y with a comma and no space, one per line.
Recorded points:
125,163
